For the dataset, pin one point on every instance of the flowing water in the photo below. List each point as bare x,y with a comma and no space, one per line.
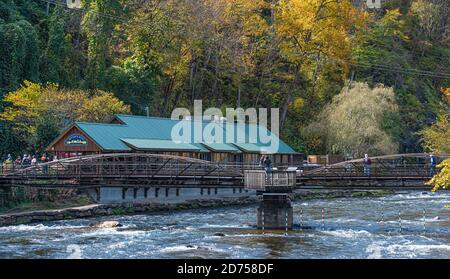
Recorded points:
406,225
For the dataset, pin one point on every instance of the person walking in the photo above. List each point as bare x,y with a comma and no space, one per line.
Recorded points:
367,162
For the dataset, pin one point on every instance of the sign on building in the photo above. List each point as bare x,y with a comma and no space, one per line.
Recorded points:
76,139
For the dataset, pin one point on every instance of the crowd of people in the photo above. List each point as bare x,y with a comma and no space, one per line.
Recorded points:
27,160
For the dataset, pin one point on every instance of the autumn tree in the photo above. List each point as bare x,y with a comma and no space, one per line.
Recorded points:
437,140
38,113
312,31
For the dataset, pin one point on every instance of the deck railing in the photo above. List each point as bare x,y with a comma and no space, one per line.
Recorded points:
261,180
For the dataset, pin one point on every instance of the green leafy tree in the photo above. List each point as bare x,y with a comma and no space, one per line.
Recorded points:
19,52
352,124
98,25
56,68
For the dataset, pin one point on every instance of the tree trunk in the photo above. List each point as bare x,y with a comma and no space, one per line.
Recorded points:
289,97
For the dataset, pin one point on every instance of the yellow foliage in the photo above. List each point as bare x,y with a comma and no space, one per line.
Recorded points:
446,92
442,179
298,104
437,136
311,27
437,139
34,103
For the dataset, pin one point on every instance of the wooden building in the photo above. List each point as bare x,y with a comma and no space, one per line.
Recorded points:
127,133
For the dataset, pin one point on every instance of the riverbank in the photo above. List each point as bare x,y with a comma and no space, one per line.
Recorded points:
96,210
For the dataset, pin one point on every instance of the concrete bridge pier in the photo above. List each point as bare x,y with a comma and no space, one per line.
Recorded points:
275,212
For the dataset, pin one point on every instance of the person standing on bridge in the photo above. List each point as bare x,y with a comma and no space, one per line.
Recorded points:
261,161
18,162
33,161
367,162
267,164
432,165
26,161
268,167
43,161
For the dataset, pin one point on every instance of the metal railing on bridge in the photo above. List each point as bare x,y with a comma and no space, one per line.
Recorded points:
261,180
125,168
389,166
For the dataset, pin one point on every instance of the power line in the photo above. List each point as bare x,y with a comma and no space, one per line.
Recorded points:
401,70
392,68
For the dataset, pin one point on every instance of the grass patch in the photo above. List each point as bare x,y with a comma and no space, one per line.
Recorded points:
47,205
118,211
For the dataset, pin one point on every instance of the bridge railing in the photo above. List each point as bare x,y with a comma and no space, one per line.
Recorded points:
125,166
414,165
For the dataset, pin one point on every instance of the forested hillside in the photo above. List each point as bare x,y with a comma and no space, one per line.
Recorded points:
314,59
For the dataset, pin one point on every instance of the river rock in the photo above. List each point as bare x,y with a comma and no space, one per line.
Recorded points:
219,234
107,224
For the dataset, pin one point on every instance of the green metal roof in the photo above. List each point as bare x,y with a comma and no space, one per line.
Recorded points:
108,136
155,144
144,131
249,147
222,147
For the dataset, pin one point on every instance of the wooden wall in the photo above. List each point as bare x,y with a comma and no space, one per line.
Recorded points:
60,146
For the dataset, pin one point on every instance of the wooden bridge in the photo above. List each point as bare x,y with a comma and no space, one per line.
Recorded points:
140,169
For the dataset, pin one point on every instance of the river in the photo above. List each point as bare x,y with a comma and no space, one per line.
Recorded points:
393,226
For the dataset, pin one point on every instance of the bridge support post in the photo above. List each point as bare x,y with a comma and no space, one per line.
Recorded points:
275,212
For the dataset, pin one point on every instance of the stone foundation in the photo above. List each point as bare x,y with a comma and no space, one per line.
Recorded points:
275,212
